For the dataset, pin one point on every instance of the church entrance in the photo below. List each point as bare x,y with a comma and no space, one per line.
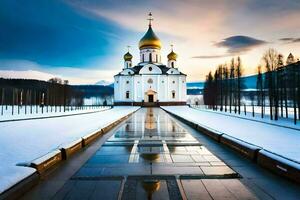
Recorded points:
150,98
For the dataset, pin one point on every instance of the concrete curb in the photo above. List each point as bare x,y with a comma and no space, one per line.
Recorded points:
88,139
48,161
275,163
248,150
279,165
71,148
207,131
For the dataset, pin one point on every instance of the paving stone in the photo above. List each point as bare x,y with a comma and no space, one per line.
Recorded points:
217,170
182,158
195,190
158,170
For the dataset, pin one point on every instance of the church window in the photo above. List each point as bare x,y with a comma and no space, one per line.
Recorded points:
127,82
127,95
173,82
150,57
150,69
156,58
143,57
150,81
172,64
173,94
129,64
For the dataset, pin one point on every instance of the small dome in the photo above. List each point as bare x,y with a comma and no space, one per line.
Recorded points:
150,40
127,57
172,56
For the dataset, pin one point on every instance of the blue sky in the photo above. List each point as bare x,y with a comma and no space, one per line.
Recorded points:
84,41
52,33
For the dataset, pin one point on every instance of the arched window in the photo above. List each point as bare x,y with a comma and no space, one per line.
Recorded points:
150,57
127,95
172,64
150,81
156,58
173,94
143,58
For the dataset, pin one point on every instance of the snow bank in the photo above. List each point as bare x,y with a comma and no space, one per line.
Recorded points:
10,175
286,122
7,114
279,140
24,141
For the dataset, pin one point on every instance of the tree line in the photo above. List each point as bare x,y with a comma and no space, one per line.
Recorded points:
53,94
277,87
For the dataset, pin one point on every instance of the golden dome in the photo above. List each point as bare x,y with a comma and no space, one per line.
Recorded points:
172,56
150,40
127,57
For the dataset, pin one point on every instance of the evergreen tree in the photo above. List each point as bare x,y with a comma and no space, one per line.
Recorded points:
290,59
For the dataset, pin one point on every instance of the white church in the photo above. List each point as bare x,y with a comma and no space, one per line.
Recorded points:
150,82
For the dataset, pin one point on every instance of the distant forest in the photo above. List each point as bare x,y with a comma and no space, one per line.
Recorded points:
52,92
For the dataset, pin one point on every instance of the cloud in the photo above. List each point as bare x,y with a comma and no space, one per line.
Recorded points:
31,70
239,44
26,74
212,56
290,40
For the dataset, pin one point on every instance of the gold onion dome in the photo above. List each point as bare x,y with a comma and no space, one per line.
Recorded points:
150,40
127,56
172,56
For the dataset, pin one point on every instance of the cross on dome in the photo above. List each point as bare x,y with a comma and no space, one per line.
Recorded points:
150,18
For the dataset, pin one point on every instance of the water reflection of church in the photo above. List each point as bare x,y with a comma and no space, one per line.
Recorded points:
151,126
150,81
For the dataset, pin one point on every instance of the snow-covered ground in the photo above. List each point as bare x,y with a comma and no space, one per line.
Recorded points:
25,112
287,122
257,111
26,140
279,140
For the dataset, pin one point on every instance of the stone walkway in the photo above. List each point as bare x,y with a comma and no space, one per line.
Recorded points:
151,156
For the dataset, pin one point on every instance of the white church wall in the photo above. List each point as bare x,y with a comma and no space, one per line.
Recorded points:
162,85
150,69
173,86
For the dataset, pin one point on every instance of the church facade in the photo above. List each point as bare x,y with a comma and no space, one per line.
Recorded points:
150,82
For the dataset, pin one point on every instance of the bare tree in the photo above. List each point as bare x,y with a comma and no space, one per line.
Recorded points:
270,59
226,88
231,83
260,90
239,72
